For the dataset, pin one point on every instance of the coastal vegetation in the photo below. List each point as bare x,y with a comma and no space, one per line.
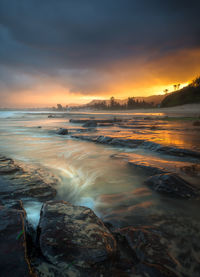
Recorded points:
186,95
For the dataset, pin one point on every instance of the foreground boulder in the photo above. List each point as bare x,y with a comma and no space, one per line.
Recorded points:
150,248
172,185
73,235
13,250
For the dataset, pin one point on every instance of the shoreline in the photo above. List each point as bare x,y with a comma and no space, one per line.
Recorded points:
188,109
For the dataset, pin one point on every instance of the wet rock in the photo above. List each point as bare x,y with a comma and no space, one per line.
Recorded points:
7,166
148,245
95,120
131,126
73,235
62,131
196,123
178,151
172,185
134,143
86,130
146,168
153,270
121,142
151,251
91,124
191,170
149,255
15,183
105,124
153,127
45,269
13,250
23,189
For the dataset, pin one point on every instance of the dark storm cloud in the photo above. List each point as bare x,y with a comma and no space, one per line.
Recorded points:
74,41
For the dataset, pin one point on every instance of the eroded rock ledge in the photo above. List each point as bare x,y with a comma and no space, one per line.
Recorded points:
134,143
16,183
72,241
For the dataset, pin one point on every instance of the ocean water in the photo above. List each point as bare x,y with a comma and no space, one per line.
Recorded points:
86,173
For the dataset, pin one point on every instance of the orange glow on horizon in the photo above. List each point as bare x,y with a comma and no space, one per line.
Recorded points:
129,78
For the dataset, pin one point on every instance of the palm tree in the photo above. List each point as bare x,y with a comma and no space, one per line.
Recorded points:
165,91
175,87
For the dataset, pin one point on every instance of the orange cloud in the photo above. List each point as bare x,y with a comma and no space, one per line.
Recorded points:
133,77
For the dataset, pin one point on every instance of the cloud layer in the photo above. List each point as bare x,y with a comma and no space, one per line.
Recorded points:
96,47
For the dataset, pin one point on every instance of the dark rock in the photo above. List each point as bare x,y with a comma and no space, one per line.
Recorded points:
73,235
153,127
78,121
172,185
196,123
91,124
178,152
7,166
62,131
15,183
192,170
121,142
114,120
86,130
134,143
13,250
150,250
153,270
146,168
105,124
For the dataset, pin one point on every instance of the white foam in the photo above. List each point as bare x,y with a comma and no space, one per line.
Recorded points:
33,212
87,202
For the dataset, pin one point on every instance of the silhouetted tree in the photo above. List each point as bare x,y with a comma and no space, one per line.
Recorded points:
131,103
112,102
59,107
196,82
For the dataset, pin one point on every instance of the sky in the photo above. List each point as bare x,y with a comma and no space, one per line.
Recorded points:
73,51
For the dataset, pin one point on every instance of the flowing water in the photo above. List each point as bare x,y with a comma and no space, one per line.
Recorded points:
87,174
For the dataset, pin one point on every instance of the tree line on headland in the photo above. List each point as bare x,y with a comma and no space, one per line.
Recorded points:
187,95
115,105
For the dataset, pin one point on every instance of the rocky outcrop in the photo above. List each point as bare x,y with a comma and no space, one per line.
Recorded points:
135,143
172,185
7,166
74,235
13,250
82,121
62,131
150,250
105,124
196,123
16,183
90,123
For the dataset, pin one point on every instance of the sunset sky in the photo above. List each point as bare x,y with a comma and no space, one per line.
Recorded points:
73,51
